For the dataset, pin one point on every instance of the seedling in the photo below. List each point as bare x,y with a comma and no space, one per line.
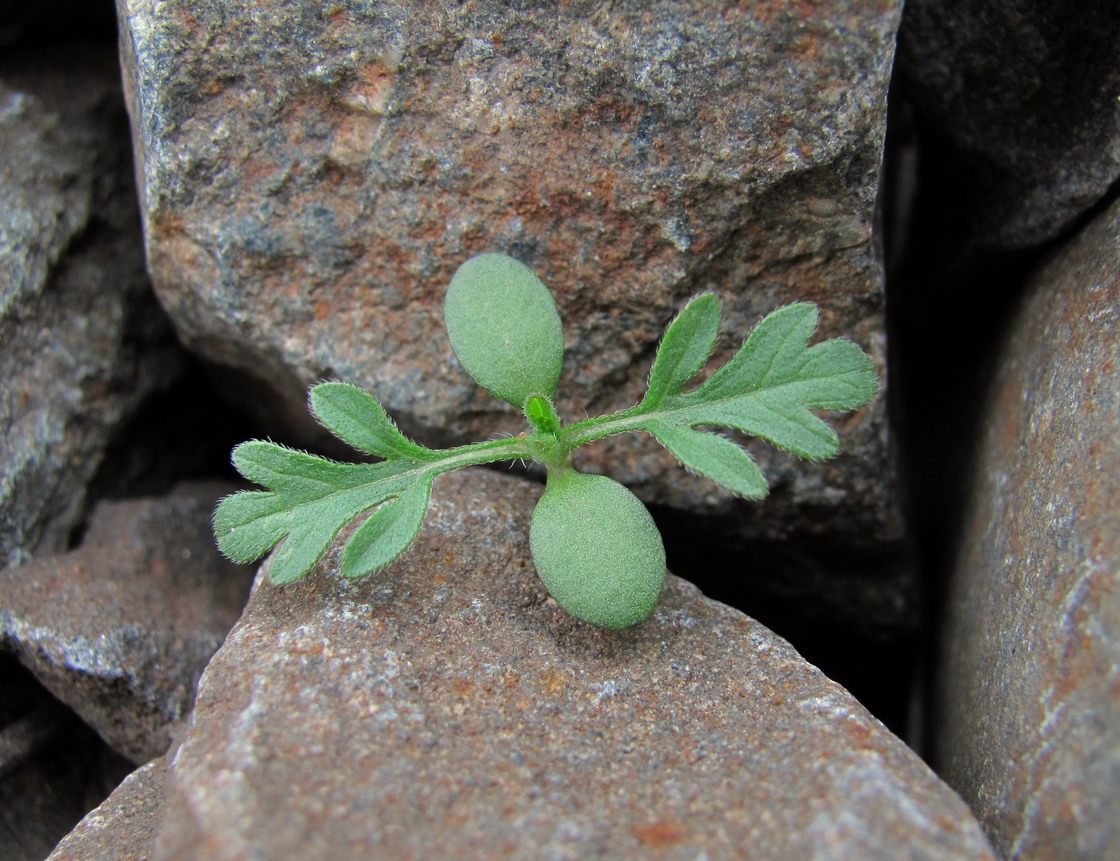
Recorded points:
593,542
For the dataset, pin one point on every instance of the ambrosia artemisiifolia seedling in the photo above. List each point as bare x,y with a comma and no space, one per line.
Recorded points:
593,542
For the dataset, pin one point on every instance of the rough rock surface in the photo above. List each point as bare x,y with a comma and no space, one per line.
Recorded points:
123,827
1025,90
447,702
121,628
1030,686
82,340
312,177
53,768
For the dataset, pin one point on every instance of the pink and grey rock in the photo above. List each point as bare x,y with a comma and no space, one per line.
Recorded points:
121,628
448,702
1030,685
123,827
312,177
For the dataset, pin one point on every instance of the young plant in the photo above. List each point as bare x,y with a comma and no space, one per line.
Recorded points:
593,542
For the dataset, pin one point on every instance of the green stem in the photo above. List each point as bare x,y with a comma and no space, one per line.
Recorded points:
560,472
544,448
477,453
590,430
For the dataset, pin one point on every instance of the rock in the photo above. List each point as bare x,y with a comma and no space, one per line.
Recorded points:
31,732
123,827
53,768
1024,92
1030,681
448,702
632,156
121,628
82,341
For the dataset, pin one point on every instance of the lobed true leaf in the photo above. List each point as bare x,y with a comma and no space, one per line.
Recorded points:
711,456
767,389
355,416
684,350
387,532
309,500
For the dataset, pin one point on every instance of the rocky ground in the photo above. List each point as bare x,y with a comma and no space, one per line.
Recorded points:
909,651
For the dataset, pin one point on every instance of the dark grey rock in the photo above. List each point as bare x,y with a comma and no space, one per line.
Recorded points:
312,178
55,21
1030,685
446,707
121,627
82,340
1025,92
53,768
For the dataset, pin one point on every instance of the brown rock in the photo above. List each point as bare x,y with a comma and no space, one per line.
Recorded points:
123,827
121,628
82,341
1030,684
306,206
447,707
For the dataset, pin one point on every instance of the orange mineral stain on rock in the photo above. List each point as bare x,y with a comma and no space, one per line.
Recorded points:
553,681
659,835
372,91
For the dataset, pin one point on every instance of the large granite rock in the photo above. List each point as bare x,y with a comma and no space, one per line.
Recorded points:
1030,681
82,340
121,628
312,177
1024,91
446,707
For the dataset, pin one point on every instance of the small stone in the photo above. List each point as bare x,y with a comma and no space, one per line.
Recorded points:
1030,683
120,628
448,702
